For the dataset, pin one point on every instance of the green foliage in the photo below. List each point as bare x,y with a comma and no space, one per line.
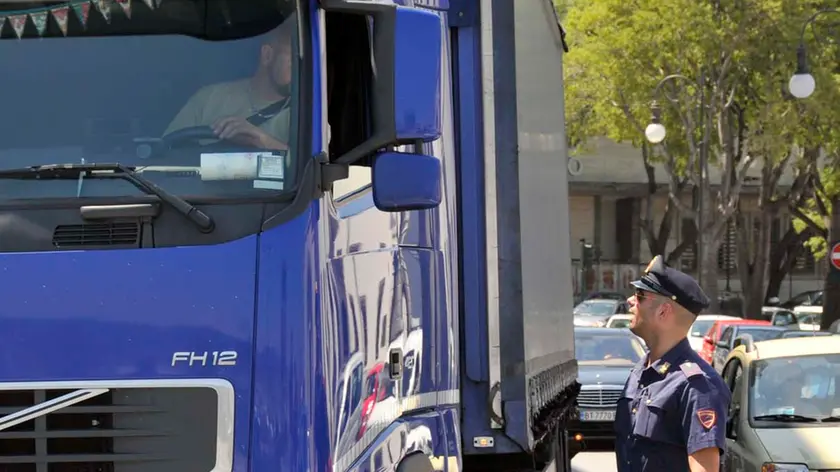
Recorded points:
830,179
621,49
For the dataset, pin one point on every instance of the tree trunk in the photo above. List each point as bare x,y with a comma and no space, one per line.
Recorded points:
831,296
657,241
708,266
782,256
752,264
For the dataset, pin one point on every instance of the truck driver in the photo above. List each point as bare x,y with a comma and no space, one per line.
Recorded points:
252,111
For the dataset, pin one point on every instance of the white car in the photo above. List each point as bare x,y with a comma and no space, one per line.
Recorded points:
808,317
701,326
619,321
804,317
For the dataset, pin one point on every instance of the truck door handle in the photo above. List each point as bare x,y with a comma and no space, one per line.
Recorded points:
395,363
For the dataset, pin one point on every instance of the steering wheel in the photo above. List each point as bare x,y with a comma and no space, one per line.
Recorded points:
190,135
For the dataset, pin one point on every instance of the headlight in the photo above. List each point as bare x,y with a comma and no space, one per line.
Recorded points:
777,467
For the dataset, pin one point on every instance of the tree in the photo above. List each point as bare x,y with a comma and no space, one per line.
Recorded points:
730,114
613,70
820,214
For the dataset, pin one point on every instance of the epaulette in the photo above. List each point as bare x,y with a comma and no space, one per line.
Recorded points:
690,369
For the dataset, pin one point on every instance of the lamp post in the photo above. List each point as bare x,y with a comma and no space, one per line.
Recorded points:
655,133
802,83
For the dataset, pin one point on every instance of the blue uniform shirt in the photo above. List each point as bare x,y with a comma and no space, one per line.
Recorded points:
670,410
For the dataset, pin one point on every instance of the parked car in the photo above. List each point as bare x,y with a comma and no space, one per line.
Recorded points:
605,296
605,359
619,321
798,333
597,311
783,317
808,317
727,340
808,298
701,327
711,338
785,409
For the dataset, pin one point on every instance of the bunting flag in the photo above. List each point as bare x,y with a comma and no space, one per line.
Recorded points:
104,7
60,14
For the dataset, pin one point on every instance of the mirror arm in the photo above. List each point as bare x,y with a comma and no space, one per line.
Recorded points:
329,172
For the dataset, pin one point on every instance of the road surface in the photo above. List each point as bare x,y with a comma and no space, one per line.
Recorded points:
594,462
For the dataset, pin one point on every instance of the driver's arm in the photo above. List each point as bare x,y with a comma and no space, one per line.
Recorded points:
192,114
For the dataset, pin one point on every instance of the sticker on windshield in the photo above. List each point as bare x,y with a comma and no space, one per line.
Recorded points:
271,170
229,165
785,410
272,166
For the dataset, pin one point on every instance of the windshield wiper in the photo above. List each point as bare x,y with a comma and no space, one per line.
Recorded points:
831,419
784,417
72,171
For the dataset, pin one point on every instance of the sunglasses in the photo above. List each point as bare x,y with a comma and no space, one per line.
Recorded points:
641,294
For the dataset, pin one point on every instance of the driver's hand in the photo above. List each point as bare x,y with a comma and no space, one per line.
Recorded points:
239,131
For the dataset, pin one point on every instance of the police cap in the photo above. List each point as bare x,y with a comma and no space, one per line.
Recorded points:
666,281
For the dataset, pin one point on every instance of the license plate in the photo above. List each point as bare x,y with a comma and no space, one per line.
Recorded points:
597,415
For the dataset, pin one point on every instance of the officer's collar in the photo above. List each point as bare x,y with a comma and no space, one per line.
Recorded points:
671,358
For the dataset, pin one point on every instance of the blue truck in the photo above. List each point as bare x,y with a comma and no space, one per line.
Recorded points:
303,235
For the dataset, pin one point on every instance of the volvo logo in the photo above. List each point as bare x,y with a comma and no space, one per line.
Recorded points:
50,406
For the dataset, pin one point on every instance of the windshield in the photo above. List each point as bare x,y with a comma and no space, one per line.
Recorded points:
617,348
759,334
619,323
701,327
804,386
595,307
810,318
199,95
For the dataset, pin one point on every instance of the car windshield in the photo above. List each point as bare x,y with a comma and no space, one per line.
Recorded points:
792,387
596,307
810,318
619,323
759,334
701,327
608,348
803,334
199,96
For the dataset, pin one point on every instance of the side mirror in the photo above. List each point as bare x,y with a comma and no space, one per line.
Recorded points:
773,301
404,182
722,344
407,78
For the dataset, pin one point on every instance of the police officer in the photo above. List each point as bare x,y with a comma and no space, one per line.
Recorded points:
672,413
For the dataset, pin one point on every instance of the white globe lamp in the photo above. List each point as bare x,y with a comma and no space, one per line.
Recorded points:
655,133
802,85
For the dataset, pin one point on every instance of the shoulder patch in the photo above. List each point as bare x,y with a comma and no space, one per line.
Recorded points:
690,369
707,418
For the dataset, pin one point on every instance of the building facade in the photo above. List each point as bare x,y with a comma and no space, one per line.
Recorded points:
609,193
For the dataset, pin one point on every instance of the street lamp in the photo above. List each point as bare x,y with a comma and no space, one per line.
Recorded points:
655,133
802,83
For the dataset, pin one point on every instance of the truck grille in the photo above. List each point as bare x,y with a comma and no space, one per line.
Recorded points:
598,396
122,430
